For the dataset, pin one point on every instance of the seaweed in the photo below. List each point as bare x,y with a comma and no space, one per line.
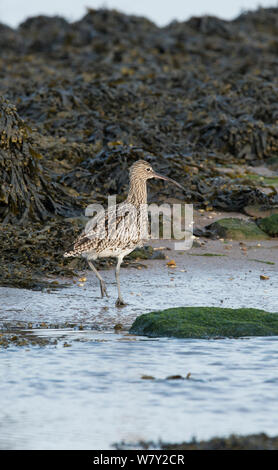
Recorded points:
193,96
27,190
80,101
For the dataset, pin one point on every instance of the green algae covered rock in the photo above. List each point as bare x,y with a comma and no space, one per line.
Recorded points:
145,252
269,225
206,322
238,229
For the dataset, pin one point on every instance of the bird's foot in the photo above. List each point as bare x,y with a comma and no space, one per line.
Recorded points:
120,302
103,290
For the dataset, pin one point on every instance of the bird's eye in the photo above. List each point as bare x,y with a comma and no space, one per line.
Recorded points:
148,169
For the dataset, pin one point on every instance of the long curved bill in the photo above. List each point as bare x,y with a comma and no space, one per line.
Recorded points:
162,177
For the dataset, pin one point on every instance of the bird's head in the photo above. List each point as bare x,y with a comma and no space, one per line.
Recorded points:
144,171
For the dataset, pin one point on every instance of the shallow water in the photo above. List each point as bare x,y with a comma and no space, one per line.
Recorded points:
91,395
197,280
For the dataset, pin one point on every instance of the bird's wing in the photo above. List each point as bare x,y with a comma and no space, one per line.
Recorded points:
93,232
114,227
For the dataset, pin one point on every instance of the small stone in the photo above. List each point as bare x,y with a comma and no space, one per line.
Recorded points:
174,377
171,264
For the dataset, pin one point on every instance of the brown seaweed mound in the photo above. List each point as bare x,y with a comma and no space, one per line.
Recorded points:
196,96
27,191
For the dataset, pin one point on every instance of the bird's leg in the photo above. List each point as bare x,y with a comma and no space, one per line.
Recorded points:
119,301
103,290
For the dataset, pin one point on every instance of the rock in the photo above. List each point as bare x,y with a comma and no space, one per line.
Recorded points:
206,322
146,252
260,211
269,225
272,162
158,255
237,229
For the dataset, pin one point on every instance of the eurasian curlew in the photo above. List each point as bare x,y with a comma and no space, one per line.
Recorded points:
121,228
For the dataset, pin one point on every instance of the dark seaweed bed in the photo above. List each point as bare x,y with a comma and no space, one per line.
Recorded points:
81,101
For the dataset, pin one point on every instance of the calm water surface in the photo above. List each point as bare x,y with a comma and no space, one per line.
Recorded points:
91,395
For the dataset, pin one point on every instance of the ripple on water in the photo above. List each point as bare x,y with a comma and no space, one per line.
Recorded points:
91,394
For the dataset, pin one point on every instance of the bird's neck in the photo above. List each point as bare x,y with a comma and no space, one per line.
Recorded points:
137,193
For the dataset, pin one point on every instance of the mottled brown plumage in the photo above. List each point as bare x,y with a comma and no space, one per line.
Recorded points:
121,228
